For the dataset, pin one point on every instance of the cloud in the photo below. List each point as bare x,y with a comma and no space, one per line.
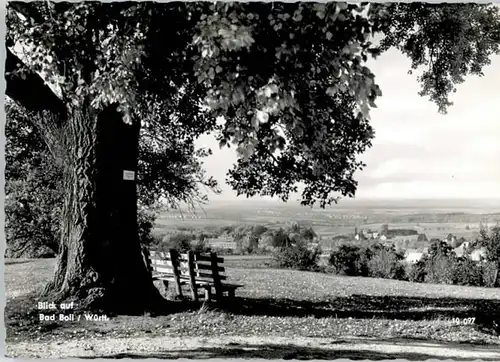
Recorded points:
432,190
418,152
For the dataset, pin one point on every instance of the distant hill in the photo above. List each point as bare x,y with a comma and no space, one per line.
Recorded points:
436,220
489,206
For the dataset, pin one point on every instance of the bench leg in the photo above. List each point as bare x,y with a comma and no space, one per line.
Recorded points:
218,293
194,292
231,293
208,293
165,285
178,288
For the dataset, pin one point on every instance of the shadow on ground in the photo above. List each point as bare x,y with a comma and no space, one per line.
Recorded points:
366,306
269,351
485,312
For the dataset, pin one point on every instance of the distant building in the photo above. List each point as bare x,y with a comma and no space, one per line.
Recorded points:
460,251
478,254
475,255
413,255
221,243
370,234
359,235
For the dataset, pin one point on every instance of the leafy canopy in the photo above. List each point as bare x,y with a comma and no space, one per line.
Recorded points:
286,84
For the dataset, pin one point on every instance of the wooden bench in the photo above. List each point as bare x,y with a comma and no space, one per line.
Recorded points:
199,271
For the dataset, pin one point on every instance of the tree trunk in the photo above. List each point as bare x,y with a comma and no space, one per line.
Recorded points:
100,264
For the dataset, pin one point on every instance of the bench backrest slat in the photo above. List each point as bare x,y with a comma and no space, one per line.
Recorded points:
203,265
160,262
205,269
208,258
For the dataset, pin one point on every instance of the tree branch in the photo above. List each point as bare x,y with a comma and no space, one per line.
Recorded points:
28,89
27,10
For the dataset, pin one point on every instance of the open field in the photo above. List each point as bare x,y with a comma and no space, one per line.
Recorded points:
323,229
434,230
334,221
273,304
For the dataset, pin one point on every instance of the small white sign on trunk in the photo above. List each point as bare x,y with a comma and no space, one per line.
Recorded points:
128,175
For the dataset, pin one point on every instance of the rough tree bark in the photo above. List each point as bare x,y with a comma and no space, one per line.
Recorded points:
99,264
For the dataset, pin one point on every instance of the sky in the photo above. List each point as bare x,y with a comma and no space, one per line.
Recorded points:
418,153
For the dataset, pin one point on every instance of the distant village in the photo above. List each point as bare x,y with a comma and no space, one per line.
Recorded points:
460,246
387,237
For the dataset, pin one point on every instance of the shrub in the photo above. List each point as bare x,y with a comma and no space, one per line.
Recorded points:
156,239
467,272
307,233
489,273
492,243
439,269
33,190
180,242
297,257
386,263
280,239
250,244
440,264
200,246
350,260
416,272
32,214
145,224
376,260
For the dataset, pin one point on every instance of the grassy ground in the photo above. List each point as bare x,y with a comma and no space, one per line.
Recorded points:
277,303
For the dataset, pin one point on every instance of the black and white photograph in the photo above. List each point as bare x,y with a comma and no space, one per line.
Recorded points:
256,180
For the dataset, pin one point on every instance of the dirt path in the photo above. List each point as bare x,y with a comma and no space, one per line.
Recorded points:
248,347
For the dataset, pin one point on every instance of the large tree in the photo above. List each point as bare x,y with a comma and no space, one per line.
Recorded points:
286,84
169,173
